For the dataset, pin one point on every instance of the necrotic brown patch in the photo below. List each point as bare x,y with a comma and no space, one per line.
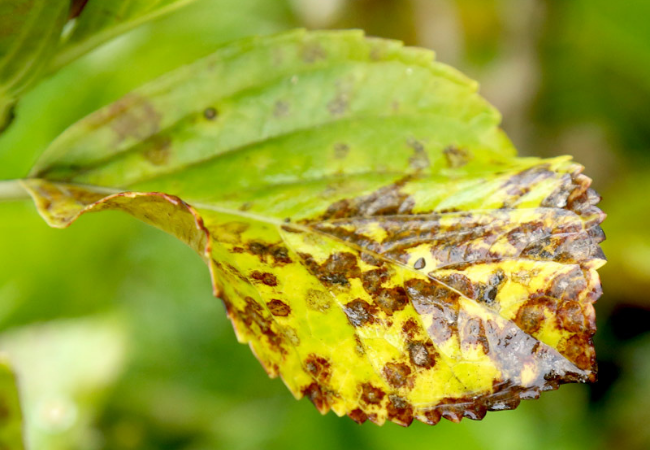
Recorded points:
317,397
371,395
336,270
397,374
474,334
572,317
392,300
267,278
530,316
358,416
279,308
318,367
410,328
399,410
360,312
422,354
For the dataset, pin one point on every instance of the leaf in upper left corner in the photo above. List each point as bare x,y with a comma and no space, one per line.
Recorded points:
29,32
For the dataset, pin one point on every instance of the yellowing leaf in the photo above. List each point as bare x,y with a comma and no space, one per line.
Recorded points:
369,228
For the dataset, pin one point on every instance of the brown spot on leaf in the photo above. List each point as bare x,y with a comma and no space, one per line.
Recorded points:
267,278
410,328
158,150
336,270
392,300
341,150
360,312
281,109
210,113
486,293
397,374
572,317
318,367
422,354
318,300
278,308
371,395
358,416
456,157
579,350
372,280
474,334
317,396
459,282
339,104
420,159
530,316
568,285
399,411
388,200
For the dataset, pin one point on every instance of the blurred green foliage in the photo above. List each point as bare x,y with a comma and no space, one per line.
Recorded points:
117,340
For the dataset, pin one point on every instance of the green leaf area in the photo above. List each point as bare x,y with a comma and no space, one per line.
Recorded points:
369,228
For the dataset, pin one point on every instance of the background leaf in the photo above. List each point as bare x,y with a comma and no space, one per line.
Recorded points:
100,20
11,421
29,33
315,118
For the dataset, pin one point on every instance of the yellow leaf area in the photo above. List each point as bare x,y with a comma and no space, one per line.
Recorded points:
399,302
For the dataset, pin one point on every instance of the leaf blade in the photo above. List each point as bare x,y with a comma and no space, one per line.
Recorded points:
415,249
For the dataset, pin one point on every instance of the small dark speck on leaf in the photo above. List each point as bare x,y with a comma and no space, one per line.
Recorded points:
210,113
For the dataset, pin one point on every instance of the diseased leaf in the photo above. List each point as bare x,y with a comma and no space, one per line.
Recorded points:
368,226
10,413
29,32
97,21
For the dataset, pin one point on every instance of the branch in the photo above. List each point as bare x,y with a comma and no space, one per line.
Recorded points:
12,190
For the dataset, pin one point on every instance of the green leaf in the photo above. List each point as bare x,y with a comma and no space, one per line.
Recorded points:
29,32
10,413
101,20
368,226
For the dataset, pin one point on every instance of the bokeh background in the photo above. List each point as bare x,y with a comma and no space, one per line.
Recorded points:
111,324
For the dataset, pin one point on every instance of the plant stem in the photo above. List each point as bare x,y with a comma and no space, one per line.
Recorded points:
12,190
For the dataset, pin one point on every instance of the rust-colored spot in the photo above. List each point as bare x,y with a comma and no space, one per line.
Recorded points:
317,396
360,312
267,278
373,279
399,410
530,316
397,374
336,270
278,308
358,416
237,250
572,317
567,286
422,354
410,328
318,367
579,350
457,157
371,395
210,113
392,300
459,282
358,346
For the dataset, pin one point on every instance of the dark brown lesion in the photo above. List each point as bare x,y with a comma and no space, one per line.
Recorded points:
278,308
360,312
336,270
473,335
318,367
371,395
399,410
431,298
422,354
398,375
317,395
265,277
264,251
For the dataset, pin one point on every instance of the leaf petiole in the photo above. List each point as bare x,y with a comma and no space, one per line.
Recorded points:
12,190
